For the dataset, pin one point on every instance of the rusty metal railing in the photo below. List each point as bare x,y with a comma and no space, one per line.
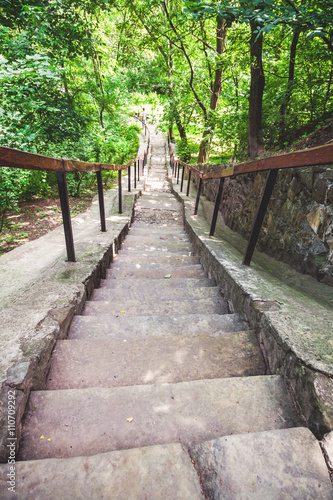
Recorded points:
20,159
321,155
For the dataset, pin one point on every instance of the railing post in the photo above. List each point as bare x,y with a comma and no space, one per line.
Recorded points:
101,200
182,181
188,183
129,178
198,197
135,174
259,219
66,217
120,193
139,171
178,172
216,208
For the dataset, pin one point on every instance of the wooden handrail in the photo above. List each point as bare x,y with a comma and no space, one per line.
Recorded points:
15,158
21,159
321,155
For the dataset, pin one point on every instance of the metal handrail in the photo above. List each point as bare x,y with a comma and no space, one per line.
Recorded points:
321,155
20,159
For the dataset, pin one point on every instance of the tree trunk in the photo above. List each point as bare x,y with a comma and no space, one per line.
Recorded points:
256,93
210,121
185,153
290,85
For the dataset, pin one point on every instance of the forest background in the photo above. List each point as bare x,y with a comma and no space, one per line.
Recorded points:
227,80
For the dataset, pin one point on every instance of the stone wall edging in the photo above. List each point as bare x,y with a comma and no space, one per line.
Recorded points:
310,389
31,371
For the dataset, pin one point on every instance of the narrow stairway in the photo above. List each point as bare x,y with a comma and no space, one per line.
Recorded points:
159,392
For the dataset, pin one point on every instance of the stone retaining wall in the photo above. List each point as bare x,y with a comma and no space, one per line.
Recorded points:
298,227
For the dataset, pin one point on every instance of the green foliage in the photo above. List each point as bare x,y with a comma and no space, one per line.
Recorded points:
71,72
183,150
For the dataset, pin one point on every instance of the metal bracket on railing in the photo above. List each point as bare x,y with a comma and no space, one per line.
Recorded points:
66,215
188,183
257,223
120,192
216,208
198,197
182,181
101,200
129,177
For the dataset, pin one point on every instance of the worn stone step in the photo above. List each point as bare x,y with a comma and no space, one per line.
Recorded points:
213,305
151,238
196,273
127,327
151,291
154,472
146,251
160,203
159,246
144,229
77,422
154,259
157,185
166,265
77,364
138,284
277,464
157,196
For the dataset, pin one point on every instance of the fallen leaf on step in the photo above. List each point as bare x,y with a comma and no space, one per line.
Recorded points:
123,312
167,276
49,439
42,437
129,419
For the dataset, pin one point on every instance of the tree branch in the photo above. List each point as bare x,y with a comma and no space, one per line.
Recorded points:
200,103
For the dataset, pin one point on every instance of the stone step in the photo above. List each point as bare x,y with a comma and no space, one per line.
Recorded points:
156,240
157,246
213,305
154,252
161,203
157,196
277,464
151,291
157,185
154,259
154,472
144,228
166,265
122,274
137,284
78,422
127,327
164,235
78,364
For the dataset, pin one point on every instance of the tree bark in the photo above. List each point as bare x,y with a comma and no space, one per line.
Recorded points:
210,119
256,93
186,156
290,84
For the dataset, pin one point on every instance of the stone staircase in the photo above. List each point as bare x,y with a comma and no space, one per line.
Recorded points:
159,392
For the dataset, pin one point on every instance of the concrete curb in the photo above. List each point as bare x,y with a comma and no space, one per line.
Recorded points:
291,313
40,294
